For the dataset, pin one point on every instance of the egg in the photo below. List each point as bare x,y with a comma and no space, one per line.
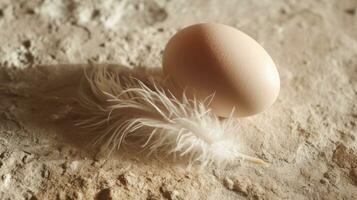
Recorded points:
218,59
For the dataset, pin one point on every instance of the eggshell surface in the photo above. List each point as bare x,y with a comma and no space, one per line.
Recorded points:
215,58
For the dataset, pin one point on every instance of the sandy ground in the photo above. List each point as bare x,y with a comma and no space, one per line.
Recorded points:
308,136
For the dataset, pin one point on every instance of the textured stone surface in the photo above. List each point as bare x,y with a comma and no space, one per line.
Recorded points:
308,136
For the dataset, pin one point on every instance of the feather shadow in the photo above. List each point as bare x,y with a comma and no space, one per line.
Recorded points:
131,109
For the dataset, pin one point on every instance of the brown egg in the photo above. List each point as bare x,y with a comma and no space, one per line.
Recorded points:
215,58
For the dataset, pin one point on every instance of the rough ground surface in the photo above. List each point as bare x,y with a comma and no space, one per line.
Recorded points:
308,136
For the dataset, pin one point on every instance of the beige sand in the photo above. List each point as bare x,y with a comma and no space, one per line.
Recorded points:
308,136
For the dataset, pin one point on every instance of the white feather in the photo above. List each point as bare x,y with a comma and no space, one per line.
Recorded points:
123,109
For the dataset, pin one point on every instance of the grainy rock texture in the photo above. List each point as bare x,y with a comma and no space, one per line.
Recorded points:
308,136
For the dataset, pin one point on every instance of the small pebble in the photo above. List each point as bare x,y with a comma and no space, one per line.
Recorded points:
170,194
104,194
256,191
241,186
332,176
228,183
127,179
152,196
323,181
123,180
74,196
73,166
6,179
